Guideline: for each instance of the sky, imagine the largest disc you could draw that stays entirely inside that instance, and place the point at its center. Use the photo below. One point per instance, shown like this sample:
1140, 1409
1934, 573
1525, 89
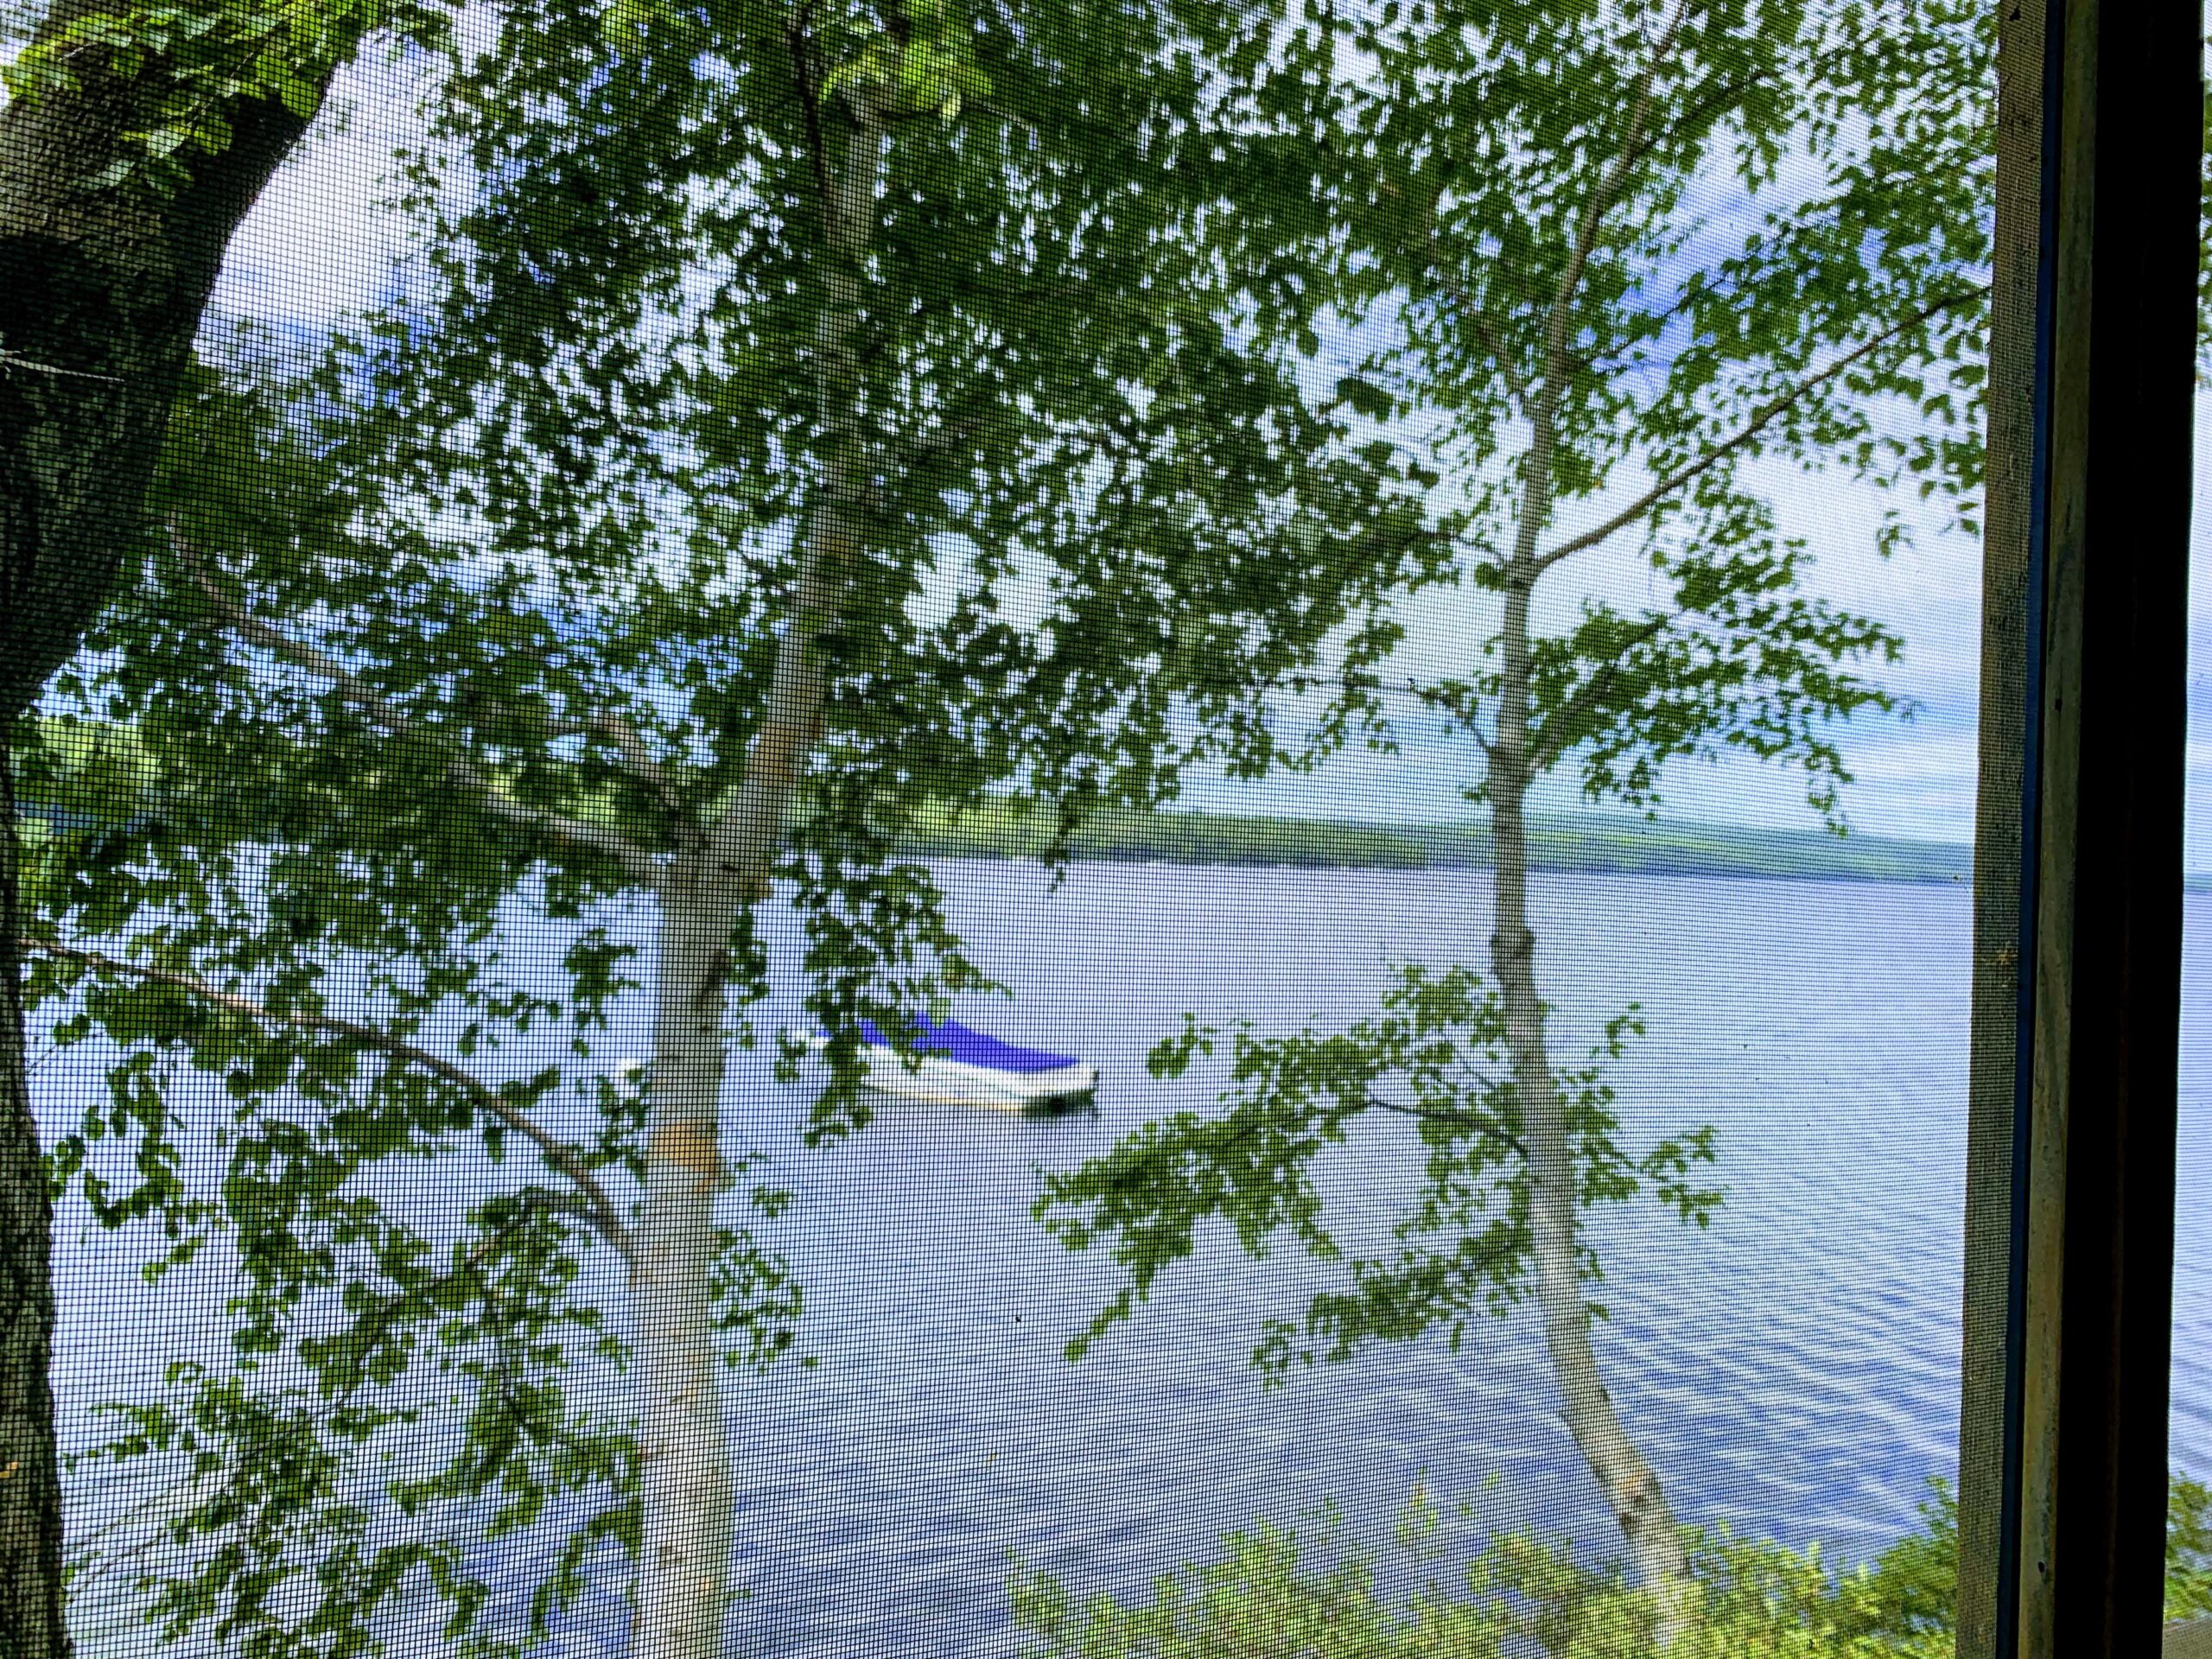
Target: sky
318, 248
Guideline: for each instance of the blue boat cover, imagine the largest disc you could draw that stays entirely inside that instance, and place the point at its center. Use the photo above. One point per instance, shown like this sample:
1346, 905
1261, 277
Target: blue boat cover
956, 1042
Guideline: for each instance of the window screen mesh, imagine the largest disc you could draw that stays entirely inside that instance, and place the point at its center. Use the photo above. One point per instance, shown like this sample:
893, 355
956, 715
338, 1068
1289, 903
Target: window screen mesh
957, 829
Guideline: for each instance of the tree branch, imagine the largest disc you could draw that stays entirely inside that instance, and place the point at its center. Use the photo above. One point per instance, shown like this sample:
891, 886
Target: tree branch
1603, 198
1762, 417
1448, 695
954, 425
459, 767
1550, 740
599, 1208
1461, 1120
799, 41
1521, 570
643, 764
1768, 248
1441, 272
10, 360
747, 836
471, 1265
1517, 386
1727, 94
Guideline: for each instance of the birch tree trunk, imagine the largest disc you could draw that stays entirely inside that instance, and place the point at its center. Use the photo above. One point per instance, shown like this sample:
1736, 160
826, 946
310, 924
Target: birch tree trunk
101, 294
683, 1593
1631, 1486
684, 1577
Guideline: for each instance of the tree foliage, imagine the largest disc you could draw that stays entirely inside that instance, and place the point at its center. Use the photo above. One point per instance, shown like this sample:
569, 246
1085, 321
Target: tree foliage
486, 626
1435, 1054
1266, 1594
1617, 262
810, 418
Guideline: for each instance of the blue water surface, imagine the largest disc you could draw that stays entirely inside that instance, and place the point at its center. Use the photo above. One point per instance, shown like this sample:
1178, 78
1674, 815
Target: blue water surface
1792, 1372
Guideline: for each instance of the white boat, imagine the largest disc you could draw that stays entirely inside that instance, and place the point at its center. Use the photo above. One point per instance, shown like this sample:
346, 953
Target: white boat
952, 1065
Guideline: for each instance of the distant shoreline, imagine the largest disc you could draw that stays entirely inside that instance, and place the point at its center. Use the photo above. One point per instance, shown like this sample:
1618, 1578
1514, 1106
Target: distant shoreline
1615, 845
1595, 846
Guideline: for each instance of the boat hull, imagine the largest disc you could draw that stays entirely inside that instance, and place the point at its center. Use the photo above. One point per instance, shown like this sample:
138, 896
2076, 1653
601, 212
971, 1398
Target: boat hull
943, 1081
951, 1082
959, 1067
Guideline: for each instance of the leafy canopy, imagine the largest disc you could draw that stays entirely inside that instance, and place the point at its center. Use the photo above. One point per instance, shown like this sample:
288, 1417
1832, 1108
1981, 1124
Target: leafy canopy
1435, 1054
471, 632
1622, 259
1611, 263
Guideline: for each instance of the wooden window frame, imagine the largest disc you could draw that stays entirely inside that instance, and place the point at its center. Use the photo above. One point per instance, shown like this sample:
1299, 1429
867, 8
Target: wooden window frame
2070, 1266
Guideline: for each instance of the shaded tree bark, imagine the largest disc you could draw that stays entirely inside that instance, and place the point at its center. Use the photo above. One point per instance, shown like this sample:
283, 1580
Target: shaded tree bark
31, 1622
101, 294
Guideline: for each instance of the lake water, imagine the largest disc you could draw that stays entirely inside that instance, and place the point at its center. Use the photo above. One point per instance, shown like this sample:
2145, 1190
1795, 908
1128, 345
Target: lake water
1793, 1372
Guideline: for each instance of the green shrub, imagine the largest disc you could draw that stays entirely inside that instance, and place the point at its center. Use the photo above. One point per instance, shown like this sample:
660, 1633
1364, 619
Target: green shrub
1266, 1597
2189, 1550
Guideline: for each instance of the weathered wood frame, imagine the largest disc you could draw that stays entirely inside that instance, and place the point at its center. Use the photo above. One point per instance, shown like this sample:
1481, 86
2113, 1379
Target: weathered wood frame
2071, 1200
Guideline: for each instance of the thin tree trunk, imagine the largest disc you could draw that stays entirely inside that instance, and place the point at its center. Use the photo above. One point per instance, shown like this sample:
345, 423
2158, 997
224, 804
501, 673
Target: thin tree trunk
683, 1593
101, 294
684, 1596
31, 1621
1631, 1488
